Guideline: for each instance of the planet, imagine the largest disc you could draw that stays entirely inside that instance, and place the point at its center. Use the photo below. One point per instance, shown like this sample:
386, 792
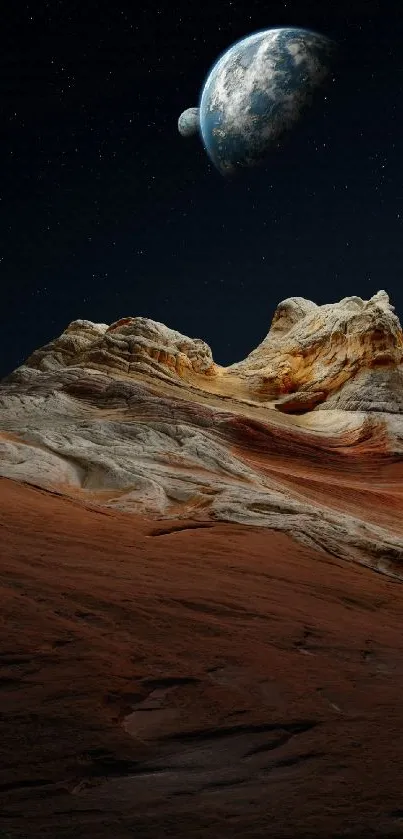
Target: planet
188, 122
257, 91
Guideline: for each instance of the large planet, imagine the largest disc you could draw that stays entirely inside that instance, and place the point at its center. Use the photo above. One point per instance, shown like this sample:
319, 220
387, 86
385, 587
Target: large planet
188, 122
257, 91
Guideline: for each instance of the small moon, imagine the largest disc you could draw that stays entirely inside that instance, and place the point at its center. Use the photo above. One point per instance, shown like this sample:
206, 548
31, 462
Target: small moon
189, 123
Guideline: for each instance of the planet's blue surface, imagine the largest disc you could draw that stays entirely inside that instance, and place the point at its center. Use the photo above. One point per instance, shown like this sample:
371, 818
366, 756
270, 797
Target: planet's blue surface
188, 122
256, 92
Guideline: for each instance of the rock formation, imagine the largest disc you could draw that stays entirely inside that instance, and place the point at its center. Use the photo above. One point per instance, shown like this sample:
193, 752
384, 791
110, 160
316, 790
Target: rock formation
195, 642
304, 435
346, 355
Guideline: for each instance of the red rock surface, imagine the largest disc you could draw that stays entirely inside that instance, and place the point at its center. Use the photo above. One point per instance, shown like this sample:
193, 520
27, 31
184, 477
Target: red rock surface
195, 638
304, 436
182, 678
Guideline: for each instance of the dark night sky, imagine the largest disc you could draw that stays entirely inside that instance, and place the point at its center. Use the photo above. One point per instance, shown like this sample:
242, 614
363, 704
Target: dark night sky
107, 212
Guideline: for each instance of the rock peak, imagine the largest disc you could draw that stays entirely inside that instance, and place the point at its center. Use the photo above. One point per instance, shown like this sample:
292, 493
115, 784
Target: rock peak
304, 435
346, 354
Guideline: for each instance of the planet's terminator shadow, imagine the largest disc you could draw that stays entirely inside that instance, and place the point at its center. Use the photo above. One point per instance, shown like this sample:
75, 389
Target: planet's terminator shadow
292, 148
260, 94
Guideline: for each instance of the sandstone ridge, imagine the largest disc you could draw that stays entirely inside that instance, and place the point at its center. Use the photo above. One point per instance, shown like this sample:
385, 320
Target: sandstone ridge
346, 355
304, 436
201, 572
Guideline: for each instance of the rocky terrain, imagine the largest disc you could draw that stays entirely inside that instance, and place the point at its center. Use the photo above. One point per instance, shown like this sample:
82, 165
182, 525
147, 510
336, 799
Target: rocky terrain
201, 581
305, 435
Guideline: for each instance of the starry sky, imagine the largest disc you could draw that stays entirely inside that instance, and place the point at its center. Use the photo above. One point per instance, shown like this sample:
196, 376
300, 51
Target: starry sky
107, 212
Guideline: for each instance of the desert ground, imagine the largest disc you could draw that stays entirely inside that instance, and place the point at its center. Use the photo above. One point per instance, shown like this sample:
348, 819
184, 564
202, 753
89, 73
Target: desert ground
181, 678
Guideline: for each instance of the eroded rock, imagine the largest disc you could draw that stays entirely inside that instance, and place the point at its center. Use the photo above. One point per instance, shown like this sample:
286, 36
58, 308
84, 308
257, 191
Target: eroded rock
138, 417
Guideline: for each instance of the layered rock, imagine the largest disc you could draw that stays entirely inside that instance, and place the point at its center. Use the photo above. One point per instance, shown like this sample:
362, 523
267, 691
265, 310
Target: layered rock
139, 417
128, 346
317, 350
191, 679
347, 354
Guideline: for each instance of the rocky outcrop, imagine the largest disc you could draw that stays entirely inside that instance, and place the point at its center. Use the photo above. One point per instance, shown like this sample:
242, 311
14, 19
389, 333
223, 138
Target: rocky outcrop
319, 349
347, 354
138, 417
186, 624
128, 346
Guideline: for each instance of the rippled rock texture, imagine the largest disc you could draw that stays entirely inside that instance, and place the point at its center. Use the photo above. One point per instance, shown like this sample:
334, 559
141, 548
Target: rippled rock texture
191, 679
195, 641
303, 436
